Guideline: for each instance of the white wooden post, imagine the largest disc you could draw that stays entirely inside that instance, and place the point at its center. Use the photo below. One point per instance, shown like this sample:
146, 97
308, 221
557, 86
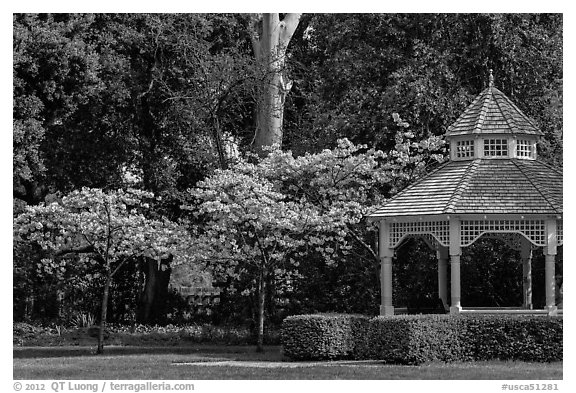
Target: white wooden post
478, 147
385, 253
526, 257
455, 252
550, 272
442, 255
512, 143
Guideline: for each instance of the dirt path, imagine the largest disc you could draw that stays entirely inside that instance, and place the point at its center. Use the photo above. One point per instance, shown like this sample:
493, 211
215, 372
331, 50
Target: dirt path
256, 364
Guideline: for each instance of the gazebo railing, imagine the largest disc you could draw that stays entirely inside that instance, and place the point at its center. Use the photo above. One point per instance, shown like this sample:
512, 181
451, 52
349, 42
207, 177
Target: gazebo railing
507, 311
488, 311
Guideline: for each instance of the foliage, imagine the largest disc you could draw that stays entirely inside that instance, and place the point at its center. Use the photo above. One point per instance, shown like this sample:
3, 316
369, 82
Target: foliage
356, 69
324, 336
25, 334
63, 84
417, 339
531, 339
106, 225
142, 97
83, 320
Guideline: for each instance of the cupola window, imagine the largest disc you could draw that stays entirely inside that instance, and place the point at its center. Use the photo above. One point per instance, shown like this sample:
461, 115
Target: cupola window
495, 147
524, 148
465, 149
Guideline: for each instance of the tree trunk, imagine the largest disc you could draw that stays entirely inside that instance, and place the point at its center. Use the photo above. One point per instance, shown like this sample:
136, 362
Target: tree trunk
100, 349
219, 144
261, 305
152, 300
161, 293
147, 296
270, 51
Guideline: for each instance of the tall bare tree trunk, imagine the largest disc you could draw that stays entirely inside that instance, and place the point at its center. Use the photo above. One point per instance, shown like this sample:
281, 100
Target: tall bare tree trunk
270, 50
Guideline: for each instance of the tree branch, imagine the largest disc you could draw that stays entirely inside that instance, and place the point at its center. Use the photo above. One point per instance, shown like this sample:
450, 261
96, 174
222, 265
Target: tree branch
288, 25
118, 267
76, 250
255, 36
362, 243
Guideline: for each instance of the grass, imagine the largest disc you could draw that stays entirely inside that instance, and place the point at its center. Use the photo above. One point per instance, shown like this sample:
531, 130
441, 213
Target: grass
167, 363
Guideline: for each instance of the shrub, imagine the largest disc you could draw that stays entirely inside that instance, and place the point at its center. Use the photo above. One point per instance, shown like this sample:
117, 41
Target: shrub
324, 336
412, 339
416, 339
527, 338
81, 320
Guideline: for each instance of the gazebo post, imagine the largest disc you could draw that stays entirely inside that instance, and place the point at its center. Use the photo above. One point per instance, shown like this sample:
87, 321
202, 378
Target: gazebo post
455, 252
442, 255
550, 272
526, 257
385, 254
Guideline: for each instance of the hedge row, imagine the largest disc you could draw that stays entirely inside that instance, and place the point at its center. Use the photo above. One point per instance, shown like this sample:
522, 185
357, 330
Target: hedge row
416, 339
326, 336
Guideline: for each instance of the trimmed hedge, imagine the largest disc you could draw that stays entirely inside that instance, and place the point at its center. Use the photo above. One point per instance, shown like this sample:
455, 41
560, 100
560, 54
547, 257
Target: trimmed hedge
527, 338
416, 339
324, 336
412, 339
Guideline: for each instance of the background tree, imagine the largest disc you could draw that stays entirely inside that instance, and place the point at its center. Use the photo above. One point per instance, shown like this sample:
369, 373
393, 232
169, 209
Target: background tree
353, 70
270, 40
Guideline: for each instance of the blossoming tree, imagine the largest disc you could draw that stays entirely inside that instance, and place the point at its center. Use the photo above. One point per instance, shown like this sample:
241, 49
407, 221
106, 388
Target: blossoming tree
263, 219
247, 225
111, 228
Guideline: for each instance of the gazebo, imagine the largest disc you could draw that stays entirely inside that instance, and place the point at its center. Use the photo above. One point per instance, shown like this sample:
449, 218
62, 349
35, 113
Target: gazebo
492, 186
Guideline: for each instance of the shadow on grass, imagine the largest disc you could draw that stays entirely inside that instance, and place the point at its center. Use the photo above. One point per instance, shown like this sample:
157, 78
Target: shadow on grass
247, 353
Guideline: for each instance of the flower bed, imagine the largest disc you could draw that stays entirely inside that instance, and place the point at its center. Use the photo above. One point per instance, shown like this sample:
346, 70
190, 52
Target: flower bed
25, 334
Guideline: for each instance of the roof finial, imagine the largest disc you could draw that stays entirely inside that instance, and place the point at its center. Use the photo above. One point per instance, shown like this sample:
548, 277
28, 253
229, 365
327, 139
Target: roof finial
491, 79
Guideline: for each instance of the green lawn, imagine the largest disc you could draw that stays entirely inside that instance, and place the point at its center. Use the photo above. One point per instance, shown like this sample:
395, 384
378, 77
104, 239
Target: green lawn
239, 362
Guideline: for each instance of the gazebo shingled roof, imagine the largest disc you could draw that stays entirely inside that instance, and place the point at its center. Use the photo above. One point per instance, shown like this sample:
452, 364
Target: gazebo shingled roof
493, 112
481, 186
493, 185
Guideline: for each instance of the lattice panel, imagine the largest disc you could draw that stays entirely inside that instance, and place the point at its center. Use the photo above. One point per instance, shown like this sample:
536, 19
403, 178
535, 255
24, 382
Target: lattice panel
440, 230
559, 233
534, 230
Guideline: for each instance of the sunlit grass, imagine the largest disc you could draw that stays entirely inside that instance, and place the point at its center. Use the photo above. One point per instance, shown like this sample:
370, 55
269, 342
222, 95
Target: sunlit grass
171, 363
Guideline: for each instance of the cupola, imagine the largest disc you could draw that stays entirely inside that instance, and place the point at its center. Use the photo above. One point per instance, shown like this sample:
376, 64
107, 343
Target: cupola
492, 127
